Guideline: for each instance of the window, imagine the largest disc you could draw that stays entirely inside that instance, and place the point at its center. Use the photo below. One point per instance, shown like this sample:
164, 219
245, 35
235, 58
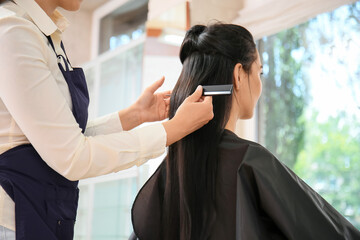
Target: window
114, 81
123, 25
309, 112
105, 202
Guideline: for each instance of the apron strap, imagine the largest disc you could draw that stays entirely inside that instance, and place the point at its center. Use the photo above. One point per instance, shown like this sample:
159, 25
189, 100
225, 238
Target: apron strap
65, 58
51, 42
63, 48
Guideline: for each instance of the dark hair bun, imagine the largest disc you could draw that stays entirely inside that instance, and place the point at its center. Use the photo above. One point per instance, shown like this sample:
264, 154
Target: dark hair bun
190, 43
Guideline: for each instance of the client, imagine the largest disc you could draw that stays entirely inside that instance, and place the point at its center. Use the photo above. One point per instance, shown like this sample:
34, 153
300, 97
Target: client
214, 185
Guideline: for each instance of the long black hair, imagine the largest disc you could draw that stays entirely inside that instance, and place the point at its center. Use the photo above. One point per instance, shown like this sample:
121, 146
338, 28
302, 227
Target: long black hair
209, 55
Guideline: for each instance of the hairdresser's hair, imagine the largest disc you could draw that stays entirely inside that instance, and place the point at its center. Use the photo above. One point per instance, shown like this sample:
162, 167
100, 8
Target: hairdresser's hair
2, 1
209, 55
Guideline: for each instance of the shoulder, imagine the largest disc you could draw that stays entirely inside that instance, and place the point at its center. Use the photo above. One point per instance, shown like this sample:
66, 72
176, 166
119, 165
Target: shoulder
263, 164
231, 141
246, 156
17, 28
10, 12
20, 38
6, 13
253, 154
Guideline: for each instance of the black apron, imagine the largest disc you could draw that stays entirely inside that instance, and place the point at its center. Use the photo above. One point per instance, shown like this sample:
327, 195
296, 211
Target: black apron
257, 198
45, 201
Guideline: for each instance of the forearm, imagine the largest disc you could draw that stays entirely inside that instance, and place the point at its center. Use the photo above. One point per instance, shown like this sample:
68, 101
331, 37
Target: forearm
174, 131
103, 154
130, 118
190, 116
104, 125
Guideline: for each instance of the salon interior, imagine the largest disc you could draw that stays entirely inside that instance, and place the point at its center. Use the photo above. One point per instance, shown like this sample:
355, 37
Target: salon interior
308, 113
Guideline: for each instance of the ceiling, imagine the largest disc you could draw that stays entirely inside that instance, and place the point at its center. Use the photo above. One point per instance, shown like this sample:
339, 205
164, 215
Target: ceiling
206, 11
201, 10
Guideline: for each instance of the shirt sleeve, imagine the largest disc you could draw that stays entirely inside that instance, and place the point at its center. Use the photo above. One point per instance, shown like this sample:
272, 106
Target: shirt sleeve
31, 95
104, 125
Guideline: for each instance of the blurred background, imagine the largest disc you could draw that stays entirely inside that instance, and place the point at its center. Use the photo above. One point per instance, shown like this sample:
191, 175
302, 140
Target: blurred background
308, 114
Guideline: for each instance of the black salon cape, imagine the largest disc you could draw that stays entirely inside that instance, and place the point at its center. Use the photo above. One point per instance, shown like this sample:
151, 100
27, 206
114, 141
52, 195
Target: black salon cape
258, 197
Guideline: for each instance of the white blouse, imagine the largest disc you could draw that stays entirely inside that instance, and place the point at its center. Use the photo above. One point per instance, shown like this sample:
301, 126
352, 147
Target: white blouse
35, 107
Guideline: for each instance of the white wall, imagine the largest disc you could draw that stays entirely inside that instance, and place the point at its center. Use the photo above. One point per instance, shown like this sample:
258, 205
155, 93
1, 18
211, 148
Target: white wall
77, 37
266, 17
156, 66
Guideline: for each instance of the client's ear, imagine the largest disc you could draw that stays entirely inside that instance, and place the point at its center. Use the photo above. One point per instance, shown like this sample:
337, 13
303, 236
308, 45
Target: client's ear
238, 75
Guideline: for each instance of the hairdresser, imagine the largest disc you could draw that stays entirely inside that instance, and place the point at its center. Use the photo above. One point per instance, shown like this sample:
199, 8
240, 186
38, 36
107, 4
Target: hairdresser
46, 141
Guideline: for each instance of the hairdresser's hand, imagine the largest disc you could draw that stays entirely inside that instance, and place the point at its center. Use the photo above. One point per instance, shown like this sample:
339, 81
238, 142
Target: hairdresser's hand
153, 106
149, 107
193, 113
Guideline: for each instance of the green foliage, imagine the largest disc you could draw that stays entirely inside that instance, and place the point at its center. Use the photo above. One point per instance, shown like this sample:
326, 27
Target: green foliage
325, 152
284, 94
330, 162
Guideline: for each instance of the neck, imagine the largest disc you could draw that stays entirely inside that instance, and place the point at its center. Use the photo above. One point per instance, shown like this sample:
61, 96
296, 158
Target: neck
48, 6
231, 124
234, 115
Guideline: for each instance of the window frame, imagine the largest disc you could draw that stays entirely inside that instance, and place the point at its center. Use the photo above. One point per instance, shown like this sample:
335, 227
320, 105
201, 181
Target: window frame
97, 15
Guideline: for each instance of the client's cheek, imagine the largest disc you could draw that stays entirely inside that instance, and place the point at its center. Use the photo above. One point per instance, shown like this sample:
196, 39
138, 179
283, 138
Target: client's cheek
258, 89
